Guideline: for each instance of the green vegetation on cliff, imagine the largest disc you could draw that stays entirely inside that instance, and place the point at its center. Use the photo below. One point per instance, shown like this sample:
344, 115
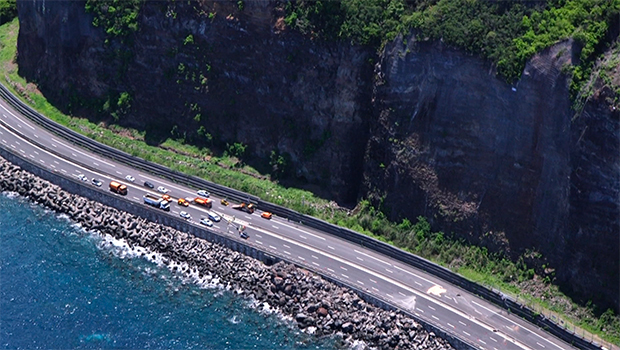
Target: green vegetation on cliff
507, 33
8, 10
116, 17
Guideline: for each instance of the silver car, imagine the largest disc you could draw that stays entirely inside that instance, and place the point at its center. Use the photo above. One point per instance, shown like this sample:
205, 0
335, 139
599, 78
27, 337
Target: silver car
162, 189
206, 222
185, 215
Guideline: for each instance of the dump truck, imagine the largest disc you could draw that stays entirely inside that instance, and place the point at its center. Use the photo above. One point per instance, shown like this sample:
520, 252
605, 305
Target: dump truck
118, 188
156, 201
248, 208
205, 202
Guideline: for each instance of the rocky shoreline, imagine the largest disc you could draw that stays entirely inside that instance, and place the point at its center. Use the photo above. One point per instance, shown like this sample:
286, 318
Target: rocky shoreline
317, 306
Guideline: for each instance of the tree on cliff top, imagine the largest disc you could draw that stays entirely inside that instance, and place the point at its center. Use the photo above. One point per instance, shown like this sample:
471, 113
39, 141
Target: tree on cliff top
8, 10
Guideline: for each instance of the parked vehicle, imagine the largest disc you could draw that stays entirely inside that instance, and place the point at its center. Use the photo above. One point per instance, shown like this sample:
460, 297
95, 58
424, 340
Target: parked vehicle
248, 208
118, 188
130, 178
206, 222
148, 184
213, 216
185, 215
183, 202
203, 193
162, 189
156, 201
205, 202
96, 182
267, 215
82, 177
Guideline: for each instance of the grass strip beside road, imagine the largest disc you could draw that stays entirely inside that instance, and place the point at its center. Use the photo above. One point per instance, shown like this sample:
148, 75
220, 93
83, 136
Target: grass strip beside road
473, 262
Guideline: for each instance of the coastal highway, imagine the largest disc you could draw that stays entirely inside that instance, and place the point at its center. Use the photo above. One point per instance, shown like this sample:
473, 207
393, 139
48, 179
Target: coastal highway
476, 321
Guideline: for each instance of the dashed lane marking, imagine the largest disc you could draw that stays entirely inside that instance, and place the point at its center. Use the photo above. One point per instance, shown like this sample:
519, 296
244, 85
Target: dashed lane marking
418, 283
313, 263
305, 232
432, 308
272, 247
53, 145
360, 282
344, 268
403, 294
345, 276
375, 289
136, 198
358, 258
35, 135
449, 324
63, 170
118, 172
469, 335
257, 235
461, 322
302, 237
330, 270
276, 227
302, 259
435, 317
493, 339
422, 311
42, 161
287, 253
330, 247
413, 274
259, 242
373, 281
286, 246
389, 296
16, 117
315, 257
539, 344
482, 341
388, 270
372, 257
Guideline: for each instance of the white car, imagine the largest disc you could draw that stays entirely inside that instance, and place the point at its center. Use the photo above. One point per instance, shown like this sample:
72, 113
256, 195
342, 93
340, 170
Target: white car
206, 222
214, 217
185, 215
82, 177
97, 182
130, 178
162, 189
203, 193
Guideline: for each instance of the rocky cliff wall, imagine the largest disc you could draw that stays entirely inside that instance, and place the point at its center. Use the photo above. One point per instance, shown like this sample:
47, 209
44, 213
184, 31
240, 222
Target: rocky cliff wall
237, 74
507, 167
435, 134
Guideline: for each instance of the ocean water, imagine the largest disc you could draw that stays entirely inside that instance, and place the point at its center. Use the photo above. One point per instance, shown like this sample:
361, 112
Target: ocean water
64, 288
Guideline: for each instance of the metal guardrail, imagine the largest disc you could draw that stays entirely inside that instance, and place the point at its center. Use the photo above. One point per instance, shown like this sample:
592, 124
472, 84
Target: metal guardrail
495, 297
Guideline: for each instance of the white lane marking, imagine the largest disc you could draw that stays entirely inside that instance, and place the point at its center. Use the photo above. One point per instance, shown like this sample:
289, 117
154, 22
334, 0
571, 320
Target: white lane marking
1, 133
56, 162
35, 152
451, 325
389, 280
330, 270
418, 283
358, 258
259, 242
247, 217
372, 257
4, 141
257, 235
52, 165
539, 344
360, 282
19, 126
63, 170
303, 259
302, 237
272, 247
344, 268
461, 322
388, 270
136, 198
330, 247
217, 227
483, 342
345, 276
403, 294
78, 151
435, 317
422, 311
413, 274
373, 281
21, 150
432, 308
53, 145
375, 289
478, 311
306, 232
547, 340
13, 146
287, 253
313, 263
42, 161
469, 335
17, 142
493, 339
389, 296
118, 172
276, 227
16, 117
95, 164
31, 156
286, 246
315, 257
35, 135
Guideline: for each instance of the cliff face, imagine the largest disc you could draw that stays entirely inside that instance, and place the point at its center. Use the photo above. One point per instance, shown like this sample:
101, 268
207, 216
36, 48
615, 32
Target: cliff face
510, 168
431, 132
237, 74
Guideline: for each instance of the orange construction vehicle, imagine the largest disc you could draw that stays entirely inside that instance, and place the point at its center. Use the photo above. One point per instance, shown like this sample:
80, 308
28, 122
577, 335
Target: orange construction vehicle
248, 208
206, 202
118, 188
183, 202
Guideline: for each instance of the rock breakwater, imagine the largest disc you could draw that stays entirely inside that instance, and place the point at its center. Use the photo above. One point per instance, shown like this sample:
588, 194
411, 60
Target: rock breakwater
316, 305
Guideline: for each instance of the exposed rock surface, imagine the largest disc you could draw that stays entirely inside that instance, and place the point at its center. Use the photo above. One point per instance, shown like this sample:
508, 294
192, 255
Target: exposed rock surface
435, 134
317, 306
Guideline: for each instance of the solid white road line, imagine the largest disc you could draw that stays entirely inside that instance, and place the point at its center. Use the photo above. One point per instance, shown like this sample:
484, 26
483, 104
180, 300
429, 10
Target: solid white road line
16, 117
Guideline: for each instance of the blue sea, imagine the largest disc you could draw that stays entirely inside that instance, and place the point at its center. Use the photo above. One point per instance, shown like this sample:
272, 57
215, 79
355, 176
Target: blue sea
64, 288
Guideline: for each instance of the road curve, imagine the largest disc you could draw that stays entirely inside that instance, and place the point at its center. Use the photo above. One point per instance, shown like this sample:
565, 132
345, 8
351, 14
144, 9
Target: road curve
456, 311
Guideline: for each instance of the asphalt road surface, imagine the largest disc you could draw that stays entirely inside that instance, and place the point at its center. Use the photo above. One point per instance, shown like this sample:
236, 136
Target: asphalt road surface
455, 310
